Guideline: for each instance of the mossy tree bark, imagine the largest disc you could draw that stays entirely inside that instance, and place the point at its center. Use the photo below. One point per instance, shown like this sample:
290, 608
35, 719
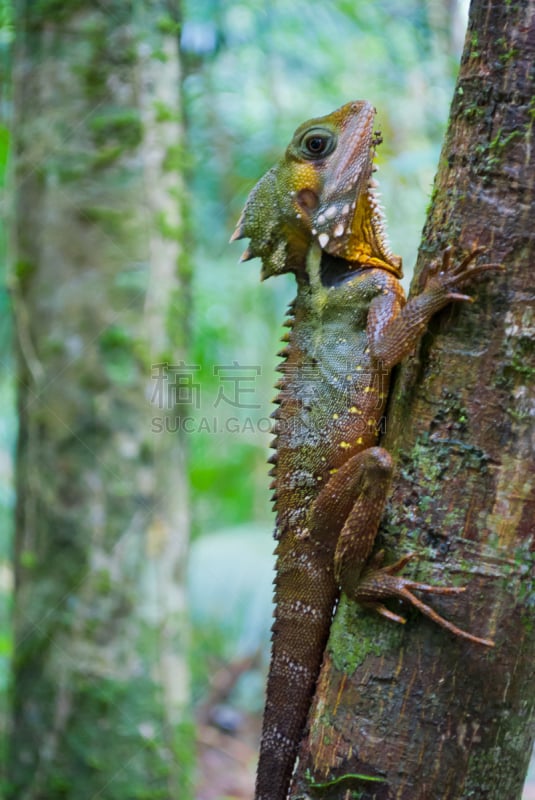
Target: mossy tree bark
428, 715
100, 682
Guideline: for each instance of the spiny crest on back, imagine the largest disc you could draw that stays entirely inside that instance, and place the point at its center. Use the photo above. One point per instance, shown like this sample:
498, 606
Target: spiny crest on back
279, 401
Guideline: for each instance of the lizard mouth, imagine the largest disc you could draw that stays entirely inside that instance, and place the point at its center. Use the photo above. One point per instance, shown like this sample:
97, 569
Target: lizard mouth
350, 223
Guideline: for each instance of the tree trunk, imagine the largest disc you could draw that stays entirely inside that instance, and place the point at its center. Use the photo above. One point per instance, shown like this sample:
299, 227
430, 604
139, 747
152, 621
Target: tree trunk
100, 682
427, 715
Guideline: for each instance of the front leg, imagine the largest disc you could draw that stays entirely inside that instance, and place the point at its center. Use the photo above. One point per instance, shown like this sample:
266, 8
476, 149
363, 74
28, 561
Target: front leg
393, 329
352, 502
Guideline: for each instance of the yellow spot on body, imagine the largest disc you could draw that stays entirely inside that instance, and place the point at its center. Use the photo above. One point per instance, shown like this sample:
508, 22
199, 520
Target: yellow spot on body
344, 445
333, 471
359, 440
355, 410
335, 416
369, 389
319, 478
349, 378
359, 368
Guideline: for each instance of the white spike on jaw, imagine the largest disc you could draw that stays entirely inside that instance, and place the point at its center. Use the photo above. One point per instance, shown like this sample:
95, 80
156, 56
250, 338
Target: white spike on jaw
379, 219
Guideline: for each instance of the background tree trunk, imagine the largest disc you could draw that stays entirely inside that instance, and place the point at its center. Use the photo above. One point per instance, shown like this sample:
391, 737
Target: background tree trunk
430, 715
100, 681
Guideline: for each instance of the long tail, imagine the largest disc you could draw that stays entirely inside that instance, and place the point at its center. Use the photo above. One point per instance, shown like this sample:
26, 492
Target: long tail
305, 593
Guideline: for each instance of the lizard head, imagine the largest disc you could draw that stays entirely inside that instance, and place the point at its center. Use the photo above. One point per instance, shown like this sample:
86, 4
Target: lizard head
323, 190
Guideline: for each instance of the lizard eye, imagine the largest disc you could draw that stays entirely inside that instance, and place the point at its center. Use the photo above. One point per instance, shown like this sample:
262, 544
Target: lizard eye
317, 143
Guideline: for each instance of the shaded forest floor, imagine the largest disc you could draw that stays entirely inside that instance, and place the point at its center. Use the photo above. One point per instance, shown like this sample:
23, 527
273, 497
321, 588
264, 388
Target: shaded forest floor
226, 761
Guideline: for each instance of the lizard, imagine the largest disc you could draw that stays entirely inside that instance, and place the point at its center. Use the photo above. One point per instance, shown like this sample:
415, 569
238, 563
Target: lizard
316, 214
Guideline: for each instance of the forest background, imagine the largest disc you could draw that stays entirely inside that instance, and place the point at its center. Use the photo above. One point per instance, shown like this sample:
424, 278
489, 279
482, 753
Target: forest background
248, 74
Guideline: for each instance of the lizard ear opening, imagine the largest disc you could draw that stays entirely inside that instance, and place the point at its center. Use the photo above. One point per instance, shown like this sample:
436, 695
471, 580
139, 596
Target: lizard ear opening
308, 200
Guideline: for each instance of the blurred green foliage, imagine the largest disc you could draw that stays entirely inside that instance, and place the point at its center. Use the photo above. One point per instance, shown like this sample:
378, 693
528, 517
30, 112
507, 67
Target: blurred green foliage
235, 565
7, 387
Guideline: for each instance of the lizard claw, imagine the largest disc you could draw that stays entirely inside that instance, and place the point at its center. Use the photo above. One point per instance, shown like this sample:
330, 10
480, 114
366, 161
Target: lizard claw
378, 583
385, 612
393, 569
462, 266
450, 276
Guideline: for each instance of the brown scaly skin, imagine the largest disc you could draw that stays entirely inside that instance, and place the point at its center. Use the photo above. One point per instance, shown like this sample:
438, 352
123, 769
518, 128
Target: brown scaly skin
315, 214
